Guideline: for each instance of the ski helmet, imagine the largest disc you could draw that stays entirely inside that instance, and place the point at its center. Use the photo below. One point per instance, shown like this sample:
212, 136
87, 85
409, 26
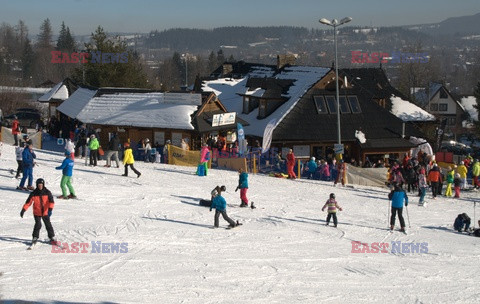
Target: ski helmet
40, 181
223, 188
332, 195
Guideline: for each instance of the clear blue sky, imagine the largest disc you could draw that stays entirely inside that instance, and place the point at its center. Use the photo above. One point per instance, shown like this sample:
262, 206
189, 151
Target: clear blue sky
83, 16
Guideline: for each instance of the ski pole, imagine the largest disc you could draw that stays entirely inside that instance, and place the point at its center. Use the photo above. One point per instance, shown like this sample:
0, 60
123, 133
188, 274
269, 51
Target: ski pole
408, 217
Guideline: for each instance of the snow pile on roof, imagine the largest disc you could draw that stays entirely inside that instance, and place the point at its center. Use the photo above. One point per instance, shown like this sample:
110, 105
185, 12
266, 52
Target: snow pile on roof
360, 136
59, 91
148, 110
468, 103
407, 111
228, 91
24, 90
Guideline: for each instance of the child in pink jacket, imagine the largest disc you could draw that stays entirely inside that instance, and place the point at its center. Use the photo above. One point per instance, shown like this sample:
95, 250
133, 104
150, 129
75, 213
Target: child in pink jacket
332, 209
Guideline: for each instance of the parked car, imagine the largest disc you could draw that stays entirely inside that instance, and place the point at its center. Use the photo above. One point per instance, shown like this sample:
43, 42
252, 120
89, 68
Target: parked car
25, 119
30, 110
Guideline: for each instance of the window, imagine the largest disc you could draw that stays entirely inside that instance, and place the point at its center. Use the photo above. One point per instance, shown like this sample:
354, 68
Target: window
354, 105
343, 105
442, 107
443, 94
320, 103
434, 107
332, 104
451, 121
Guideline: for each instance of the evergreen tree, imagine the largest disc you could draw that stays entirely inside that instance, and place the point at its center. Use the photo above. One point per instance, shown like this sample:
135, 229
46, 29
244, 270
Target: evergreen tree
112, 73
28, 60
212, 62
65, 40
45, 36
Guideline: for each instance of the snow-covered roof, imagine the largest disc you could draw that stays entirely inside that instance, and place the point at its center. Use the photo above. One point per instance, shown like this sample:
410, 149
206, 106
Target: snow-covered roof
407, 111
24, 90
468, 102
59, 91
228, 91
148, 110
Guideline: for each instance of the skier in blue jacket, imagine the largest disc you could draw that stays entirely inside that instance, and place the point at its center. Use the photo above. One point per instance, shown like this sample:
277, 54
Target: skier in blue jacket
220, 205
28, 163
67, 170
398, 196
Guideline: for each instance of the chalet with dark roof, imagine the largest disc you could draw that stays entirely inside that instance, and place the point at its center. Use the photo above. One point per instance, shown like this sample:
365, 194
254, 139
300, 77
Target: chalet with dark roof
306, 116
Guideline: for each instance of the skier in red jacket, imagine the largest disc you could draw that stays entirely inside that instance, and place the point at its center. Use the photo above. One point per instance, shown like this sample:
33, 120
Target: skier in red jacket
43, 203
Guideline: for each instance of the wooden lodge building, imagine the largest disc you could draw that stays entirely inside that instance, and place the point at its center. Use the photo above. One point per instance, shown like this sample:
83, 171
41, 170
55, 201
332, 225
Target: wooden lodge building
302, 102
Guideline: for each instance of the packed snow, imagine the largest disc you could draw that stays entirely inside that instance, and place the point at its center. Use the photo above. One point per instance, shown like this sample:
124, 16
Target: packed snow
283, 252
407, 111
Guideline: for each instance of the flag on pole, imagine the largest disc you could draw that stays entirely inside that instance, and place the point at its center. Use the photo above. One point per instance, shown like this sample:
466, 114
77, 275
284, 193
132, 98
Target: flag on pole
267, 135
241, 140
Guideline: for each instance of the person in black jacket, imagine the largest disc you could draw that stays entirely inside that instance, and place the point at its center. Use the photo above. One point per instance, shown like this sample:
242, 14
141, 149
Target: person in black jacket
113, 147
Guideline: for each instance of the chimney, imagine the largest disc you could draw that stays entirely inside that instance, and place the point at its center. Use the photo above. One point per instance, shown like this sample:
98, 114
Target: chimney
283, 60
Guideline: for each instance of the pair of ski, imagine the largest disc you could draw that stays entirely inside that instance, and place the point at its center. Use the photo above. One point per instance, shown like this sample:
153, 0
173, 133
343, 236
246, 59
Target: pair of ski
53, 243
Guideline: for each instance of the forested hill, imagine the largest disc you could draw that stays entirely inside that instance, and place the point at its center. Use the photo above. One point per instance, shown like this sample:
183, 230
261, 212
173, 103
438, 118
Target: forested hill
200, 39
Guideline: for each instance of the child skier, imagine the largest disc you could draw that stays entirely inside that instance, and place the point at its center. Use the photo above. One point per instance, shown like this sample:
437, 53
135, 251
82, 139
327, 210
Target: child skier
332, 209
450, 177
398, 196
67, 170
457, 182
243, 186
128, 160
43, 203
220, 205
422, 186
18, 155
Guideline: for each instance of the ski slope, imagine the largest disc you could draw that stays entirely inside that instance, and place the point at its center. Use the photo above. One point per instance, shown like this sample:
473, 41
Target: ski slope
283, 253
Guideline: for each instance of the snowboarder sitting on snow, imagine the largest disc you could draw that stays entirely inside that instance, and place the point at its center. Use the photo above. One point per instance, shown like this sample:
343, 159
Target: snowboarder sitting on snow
220, 205
214, 193
462, 222
43, 203
332, 209
398, 196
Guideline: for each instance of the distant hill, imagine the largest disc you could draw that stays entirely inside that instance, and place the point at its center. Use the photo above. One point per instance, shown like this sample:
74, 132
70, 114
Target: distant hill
465, 25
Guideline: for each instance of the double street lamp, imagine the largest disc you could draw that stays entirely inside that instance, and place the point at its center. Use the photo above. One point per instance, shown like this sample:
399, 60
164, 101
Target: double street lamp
336, 23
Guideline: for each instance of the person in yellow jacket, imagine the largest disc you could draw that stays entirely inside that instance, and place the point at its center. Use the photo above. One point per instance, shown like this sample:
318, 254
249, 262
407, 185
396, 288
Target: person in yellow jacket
128, 160
476, 173
462, 170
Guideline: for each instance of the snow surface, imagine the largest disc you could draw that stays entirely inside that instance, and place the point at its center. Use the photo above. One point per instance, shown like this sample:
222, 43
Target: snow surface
283, 253
407, 111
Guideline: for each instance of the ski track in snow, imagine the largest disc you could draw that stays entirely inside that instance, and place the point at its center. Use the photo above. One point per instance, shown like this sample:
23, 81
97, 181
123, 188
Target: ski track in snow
283, 252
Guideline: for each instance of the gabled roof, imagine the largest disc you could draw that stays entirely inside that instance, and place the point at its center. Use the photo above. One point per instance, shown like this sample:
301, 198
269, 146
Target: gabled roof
424, 95
60, 92
132, 107
229, 92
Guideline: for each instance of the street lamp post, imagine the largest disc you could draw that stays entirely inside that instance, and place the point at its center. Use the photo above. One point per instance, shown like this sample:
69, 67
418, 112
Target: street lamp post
335, 23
